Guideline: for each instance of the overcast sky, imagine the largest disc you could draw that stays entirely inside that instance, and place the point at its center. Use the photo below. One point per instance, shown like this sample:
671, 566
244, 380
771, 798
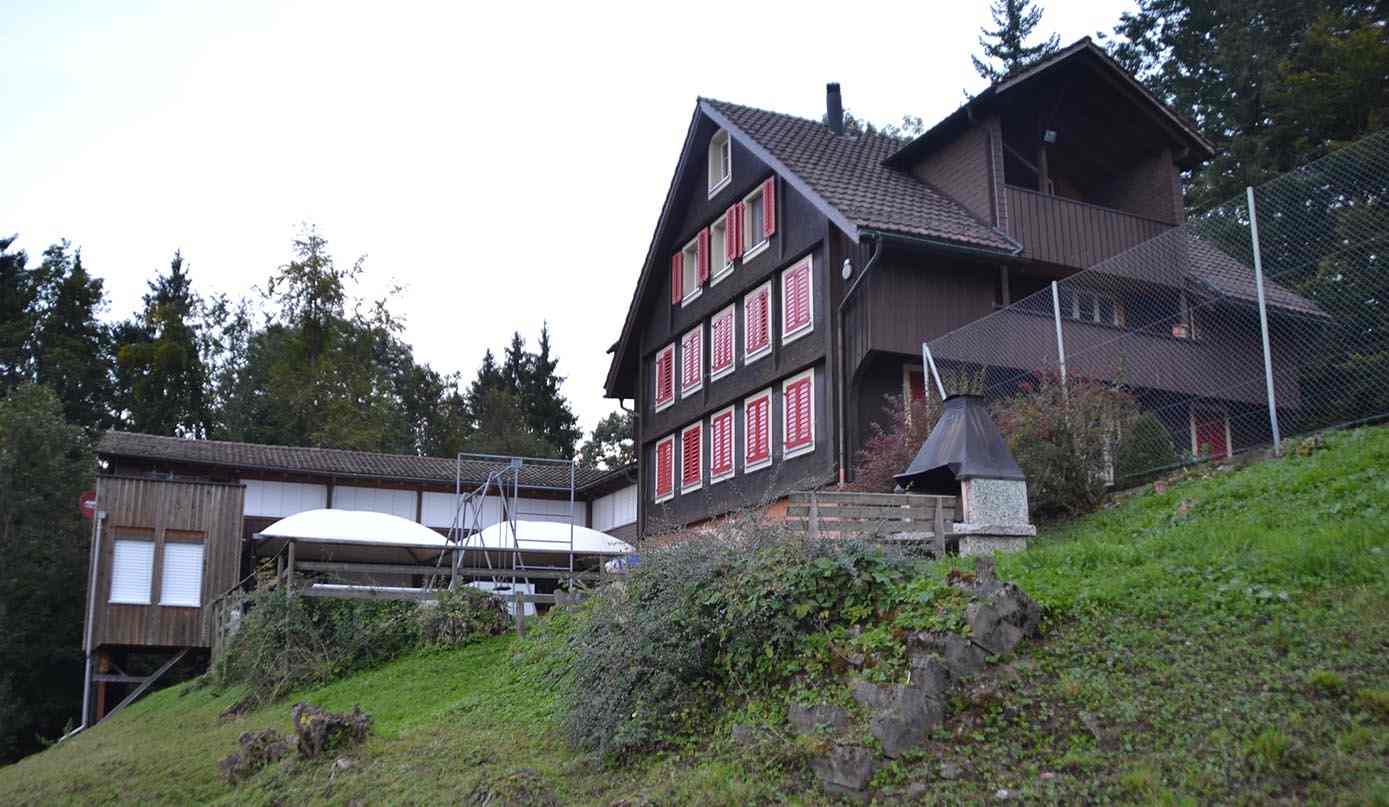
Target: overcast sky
505, 162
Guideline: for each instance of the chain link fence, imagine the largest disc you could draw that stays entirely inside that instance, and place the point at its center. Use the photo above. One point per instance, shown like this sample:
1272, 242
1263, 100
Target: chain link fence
1261, 318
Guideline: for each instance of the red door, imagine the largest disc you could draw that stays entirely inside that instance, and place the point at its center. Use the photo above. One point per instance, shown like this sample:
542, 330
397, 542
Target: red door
1210, 434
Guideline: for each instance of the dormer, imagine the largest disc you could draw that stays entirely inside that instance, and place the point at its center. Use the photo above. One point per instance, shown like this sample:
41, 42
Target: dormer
1071, 157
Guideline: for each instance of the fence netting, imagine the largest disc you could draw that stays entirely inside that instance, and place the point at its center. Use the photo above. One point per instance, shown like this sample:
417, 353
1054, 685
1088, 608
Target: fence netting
1171, 331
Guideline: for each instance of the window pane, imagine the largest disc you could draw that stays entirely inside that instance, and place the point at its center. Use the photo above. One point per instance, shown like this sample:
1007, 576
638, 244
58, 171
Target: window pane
755, 221
182, 580
132, 571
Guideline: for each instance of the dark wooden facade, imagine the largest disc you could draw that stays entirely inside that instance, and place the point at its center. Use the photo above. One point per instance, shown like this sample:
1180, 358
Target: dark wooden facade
164, 512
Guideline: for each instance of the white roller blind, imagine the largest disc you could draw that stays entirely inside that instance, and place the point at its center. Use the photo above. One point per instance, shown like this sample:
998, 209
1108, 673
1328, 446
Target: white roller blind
182, 581
132, 571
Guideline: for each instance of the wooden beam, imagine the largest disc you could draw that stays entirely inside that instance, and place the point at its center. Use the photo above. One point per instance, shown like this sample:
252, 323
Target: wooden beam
115, 678
902, 513
148, 682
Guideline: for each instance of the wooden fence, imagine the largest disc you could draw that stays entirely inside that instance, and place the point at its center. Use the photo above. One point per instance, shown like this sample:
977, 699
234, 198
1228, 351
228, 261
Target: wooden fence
892, 516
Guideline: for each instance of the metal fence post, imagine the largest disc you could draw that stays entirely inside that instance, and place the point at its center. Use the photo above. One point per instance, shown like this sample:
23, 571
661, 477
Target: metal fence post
1263, 323
931, 367
1060, 344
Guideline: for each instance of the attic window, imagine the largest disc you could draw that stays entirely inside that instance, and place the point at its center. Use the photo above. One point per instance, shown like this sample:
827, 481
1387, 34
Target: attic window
720, 162
689, 266
759, 218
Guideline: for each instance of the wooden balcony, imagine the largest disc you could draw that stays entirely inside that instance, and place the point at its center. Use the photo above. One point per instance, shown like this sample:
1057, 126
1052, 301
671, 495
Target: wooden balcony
1063, 231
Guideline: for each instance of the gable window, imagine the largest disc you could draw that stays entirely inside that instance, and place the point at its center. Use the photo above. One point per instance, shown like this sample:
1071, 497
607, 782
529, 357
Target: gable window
689, 272
665, 469
721, 446
757, 431
721, 253
721, 344
692, 361
181, 582
720, 162
798, 415
757, 323
691, 457
132, 571
663, 378
797, 318
758, 218
1094, 306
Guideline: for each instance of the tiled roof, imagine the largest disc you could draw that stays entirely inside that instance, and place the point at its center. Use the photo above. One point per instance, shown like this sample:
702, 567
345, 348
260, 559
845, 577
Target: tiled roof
848, 173
330, 461
1225, 275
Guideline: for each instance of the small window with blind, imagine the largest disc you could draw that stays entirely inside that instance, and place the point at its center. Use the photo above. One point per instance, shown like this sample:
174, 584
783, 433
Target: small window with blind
691, 458
692, 361
1094, 306
757, 431
798, 415
181, 580
665, 469
797, 316
757, 323
132, 571
721, 343
758, 218
663, 378
719, 252
720, 162
721, 446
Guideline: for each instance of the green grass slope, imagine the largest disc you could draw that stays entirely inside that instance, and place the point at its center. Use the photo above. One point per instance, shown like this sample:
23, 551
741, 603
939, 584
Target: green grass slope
1225, 641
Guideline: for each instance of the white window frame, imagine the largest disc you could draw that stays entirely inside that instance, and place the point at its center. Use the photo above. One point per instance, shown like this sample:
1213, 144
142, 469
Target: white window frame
1119, 313
1211, 409
791, 336
731, 412
700, 482
717, 144
689, 269
146, 545
658, 406
751, 251
747, 422
785, 421
698, 385
719, 256
164, 600
732, 313
749, 358
656, 475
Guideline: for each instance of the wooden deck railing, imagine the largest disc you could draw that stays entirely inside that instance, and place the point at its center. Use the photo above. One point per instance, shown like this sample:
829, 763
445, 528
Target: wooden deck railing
1071, 233
894, 516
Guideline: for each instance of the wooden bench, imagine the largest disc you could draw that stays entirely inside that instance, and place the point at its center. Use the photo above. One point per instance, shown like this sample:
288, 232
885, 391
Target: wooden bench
882, 516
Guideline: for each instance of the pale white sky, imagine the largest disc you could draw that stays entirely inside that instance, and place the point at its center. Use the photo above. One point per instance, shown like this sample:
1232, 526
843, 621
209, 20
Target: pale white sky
506, 162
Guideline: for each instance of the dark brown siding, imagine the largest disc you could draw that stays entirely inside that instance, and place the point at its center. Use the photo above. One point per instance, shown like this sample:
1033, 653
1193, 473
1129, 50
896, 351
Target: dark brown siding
1144, 190
1070, 233
961, 170
160, 509
918, 298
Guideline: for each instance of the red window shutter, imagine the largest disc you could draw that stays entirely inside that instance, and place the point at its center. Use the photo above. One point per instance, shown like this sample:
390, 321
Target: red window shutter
797, 413
730, 234
769, 206
677, 273
761, 333
665, 471
721, 444
759, 434
665, 372
723, 342
738, 220
702, 247
690, 459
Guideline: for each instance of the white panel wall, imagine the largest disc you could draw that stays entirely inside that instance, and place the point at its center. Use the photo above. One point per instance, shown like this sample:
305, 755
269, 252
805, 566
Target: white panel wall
376, 500
439, 509
279, 499
615, 509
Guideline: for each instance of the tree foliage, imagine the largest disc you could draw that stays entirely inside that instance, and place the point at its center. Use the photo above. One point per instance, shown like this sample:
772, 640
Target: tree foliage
1004, 47
71, 346
45, 463
611, 444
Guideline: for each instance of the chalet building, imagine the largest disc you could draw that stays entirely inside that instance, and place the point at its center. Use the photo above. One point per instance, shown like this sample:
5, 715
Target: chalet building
797, 268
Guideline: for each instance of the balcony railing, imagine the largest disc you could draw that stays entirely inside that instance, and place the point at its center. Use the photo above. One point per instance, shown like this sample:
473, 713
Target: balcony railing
1071, 233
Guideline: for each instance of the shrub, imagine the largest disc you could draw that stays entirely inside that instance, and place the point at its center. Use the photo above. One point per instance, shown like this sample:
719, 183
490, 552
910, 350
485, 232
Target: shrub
1146, 447
1326, 682
888, 451
1063, 436
1376, 702
461, 616
740, 612
284, 643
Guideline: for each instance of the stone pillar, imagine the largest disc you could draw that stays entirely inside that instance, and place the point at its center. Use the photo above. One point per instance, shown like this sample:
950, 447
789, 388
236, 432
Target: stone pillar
994, 516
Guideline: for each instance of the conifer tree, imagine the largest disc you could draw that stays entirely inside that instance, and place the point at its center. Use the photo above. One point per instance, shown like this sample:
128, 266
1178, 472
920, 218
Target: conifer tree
19, 292
71, 347
1005, 47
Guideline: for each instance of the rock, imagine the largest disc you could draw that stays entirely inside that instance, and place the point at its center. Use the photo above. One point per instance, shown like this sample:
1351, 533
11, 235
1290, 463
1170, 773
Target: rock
319, 731
808, 719
256, 750
1002, 620
931, 675
845, 770
907, 721
1003, 794
961, 656
869, 695
855, 660
950, 771
342, 763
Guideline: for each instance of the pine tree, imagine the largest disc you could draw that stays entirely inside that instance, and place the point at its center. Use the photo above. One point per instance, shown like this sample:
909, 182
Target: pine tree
19, 291
548, 412
71, 352
159, 365
1005, 47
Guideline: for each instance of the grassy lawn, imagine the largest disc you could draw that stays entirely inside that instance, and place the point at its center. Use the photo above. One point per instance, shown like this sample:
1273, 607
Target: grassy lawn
1226, 641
